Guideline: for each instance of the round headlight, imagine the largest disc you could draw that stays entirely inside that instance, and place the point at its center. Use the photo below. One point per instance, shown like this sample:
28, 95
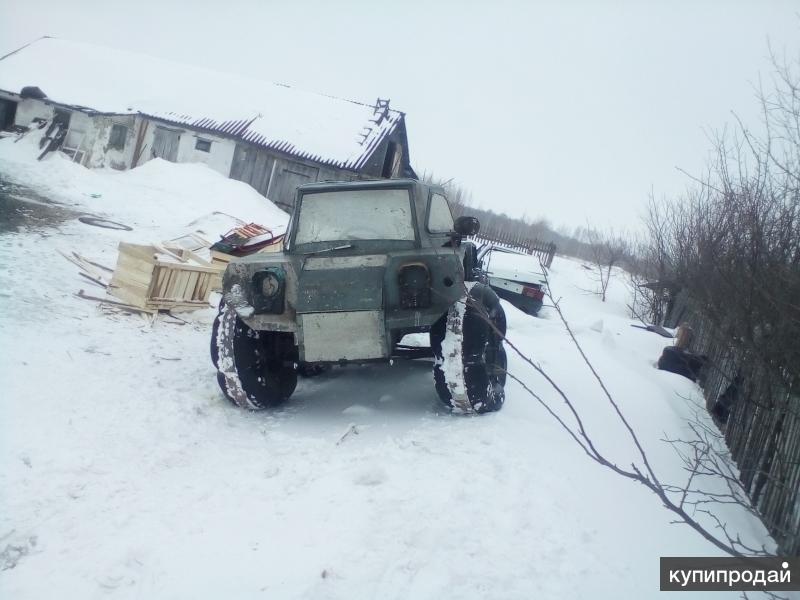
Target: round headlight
270, 285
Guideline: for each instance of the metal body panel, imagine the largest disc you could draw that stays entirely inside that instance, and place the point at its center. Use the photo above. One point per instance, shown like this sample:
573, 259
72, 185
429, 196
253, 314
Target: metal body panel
241, 271
332, 337
510, 286
527, 277
315, 263
340, 290
522, 302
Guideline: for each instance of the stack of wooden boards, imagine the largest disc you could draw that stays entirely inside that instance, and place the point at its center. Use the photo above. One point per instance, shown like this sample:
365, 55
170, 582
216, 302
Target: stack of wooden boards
175, 274
154, 277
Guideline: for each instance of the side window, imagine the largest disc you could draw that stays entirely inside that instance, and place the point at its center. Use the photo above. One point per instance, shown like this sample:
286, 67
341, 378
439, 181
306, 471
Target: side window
119, 134
440, 219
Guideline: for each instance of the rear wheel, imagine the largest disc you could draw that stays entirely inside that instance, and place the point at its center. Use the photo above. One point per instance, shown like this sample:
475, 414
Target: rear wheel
470, 367
255, 369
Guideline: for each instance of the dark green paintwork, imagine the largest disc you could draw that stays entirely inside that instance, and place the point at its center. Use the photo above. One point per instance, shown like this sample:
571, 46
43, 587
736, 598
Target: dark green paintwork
340, 290
363, 288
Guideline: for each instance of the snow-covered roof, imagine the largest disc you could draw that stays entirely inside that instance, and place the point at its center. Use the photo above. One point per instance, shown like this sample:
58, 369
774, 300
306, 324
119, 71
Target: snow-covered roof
326, 129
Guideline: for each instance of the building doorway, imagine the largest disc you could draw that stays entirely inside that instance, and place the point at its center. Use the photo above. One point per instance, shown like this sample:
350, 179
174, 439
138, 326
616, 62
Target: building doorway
165, 144
8, 112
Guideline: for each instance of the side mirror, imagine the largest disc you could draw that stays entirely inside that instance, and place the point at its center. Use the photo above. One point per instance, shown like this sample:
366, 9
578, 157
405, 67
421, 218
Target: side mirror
467, 226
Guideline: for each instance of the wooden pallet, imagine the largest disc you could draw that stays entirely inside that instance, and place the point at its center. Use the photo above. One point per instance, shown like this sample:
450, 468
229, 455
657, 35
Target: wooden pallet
153, 277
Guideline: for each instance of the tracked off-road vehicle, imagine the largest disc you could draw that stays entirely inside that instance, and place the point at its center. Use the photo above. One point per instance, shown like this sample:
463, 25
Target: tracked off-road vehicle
364, 264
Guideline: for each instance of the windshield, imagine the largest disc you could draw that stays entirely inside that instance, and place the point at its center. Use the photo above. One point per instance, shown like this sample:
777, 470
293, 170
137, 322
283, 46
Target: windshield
368, 214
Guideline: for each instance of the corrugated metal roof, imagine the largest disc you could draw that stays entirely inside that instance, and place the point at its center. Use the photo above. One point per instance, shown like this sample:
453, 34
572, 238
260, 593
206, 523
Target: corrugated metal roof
325, 129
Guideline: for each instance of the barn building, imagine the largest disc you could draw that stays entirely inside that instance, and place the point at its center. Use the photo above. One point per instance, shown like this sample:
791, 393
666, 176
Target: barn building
121, 109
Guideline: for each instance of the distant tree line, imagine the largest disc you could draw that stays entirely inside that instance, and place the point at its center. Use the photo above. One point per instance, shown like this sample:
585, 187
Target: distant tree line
579, 242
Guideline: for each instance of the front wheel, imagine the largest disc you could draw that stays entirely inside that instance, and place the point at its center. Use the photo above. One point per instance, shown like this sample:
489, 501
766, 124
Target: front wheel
470, 367
255, 369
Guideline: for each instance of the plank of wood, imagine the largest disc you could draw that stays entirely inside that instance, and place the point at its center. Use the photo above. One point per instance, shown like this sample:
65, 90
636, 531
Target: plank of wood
191, 289
188, 267
655, 329
131, 296
190, 241
134, 265
85, 296
159, 277
201, 238
176, 305
176, 290
197, 258
166, 291
177, 279
187, 308
137, 250
204, 287
222, 257
86, 268
186, 276
191, 282
121, 280
132, 277
94, 264
174, 255
93, 280
660, 331
136, 261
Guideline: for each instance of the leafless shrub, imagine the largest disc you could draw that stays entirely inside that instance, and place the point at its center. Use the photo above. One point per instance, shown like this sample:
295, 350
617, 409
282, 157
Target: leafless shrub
733, 244
607, 250
731, 247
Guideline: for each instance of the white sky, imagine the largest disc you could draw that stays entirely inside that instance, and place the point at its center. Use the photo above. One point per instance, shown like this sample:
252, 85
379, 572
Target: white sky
567, 110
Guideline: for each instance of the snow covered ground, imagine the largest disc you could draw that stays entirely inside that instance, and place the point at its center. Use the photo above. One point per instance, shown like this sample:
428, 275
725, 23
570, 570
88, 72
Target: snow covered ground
125, 474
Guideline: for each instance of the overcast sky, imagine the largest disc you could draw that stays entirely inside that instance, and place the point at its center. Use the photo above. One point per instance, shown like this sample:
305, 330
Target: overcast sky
567, 110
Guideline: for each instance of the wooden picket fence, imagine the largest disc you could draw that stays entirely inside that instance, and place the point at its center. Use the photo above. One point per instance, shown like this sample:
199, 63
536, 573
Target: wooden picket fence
763, 428
545, 251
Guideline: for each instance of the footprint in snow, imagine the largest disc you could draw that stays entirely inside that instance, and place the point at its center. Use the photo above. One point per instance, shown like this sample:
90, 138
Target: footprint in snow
371, 476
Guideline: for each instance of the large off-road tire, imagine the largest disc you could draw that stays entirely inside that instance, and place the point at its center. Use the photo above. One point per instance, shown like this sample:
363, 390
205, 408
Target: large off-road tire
470, 366
214, 329
255, 369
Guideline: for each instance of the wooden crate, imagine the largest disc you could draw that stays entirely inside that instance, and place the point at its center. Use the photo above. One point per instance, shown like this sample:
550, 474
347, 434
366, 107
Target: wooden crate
219, 261
154, 278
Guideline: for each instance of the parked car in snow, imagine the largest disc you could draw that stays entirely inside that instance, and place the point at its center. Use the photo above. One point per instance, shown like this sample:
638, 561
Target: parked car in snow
364, 264
515, 276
